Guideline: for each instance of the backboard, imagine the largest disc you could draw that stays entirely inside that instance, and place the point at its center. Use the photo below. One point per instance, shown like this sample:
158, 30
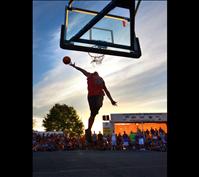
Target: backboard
102, 27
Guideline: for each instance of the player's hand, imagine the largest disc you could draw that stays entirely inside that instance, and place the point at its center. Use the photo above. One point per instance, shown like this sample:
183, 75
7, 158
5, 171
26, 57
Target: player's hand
73, 65
114, 103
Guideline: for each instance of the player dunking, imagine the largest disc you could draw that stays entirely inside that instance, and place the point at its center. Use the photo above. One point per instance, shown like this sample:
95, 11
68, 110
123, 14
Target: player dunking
96, 89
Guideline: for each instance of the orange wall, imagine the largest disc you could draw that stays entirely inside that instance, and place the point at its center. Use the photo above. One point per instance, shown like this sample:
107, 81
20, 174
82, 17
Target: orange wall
128, 127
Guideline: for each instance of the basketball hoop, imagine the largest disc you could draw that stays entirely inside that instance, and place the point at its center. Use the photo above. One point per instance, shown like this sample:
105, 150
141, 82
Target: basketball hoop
95, 57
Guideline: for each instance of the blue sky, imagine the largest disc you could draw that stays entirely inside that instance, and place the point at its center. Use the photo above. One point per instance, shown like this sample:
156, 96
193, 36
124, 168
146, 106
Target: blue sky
138, 85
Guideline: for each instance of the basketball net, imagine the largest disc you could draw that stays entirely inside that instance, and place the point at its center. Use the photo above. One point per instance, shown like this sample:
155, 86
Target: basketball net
95, 57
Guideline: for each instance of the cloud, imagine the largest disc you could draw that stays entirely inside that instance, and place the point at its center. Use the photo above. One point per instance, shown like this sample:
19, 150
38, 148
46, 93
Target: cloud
38, 123
55, 86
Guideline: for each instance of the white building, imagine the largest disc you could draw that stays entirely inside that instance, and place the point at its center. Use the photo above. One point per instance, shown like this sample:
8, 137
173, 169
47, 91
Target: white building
132, 121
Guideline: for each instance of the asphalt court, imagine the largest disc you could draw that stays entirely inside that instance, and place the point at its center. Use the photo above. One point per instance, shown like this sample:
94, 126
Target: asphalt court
88, 163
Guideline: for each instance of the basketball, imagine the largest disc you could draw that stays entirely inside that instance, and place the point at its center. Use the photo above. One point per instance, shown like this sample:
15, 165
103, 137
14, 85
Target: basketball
66, 60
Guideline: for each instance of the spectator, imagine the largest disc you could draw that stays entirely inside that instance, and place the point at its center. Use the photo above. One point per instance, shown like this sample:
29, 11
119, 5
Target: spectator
119, 142
132, 137
100, 140
141, 141
94, 138
113, 141
125, 141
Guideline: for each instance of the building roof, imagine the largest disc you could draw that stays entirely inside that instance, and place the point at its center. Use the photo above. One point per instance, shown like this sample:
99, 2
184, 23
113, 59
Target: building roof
139, 117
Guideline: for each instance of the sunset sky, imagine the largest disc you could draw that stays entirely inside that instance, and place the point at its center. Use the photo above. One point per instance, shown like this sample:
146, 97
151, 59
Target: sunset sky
138, 85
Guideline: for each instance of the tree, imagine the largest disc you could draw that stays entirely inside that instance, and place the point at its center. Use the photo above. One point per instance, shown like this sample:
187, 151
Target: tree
63, 118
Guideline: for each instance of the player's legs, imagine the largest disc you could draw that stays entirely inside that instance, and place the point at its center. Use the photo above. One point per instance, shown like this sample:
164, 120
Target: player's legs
95, 103
88, 131
90, 122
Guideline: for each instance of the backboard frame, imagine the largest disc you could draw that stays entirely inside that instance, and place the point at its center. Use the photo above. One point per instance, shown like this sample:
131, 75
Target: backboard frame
134, 47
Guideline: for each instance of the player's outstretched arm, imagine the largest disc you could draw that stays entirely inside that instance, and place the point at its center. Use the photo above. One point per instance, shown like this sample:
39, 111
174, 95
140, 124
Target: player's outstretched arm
109, 96
80, 69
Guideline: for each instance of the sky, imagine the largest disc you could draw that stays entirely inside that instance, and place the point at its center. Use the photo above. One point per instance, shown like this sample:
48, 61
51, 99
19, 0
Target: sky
138, 85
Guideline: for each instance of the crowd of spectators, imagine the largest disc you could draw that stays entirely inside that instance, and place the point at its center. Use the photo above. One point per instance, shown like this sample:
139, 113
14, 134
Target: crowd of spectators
152, 139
